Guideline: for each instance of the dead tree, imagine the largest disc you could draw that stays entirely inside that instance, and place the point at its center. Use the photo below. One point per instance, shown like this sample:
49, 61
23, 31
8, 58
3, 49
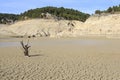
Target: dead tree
26, 48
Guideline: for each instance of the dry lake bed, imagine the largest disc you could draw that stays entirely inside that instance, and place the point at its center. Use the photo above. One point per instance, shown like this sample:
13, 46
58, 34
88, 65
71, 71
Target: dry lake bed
60, 59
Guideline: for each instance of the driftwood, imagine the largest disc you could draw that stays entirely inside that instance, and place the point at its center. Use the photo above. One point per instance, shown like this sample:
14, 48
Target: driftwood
26, 48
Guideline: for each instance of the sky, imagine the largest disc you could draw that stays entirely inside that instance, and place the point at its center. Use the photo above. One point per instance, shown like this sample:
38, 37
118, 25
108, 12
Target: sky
87, 6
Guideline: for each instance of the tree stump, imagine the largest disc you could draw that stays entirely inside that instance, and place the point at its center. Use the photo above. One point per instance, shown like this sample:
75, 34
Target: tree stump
26, 48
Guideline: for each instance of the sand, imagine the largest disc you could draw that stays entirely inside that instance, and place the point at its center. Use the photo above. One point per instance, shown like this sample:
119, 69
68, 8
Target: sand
61, 59
101, 25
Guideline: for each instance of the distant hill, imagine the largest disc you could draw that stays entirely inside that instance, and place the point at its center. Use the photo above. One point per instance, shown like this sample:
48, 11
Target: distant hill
58, 13
68, 14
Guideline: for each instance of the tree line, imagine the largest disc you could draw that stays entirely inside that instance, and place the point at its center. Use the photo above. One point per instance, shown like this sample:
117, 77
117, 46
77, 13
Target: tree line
68, 14
111, 10
64, 13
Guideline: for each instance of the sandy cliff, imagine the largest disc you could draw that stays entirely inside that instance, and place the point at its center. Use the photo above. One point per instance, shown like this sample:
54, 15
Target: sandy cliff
107, 25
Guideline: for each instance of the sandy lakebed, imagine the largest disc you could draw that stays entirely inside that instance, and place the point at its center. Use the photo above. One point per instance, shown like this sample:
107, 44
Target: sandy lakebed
60, 59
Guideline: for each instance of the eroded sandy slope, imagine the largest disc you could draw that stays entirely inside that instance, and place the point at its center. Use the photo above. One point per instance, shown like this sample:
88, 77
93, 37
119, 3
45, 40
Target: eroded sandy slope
103, 25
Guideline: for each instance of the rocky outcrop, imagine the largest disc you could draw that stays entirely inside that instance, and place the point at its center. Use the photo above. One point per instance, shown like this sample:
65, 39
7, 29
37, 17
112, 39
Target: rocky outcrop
7, 21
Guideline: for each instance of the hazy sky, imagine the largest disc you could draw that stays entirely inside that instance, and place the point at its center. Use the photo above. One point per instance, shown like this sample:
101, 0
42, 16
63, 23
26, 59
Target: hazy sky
88, 6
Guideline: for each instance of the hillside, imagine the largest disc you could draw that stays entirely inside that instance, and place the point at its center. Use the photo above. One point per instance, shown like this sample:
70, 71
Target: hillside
65, 13
53, 12
108, 25
39, 27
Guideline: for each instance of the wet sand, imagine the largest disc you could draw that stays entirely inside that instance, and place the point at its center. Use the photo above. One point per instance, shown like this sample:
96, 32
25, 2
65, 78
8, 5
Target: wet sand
61, 59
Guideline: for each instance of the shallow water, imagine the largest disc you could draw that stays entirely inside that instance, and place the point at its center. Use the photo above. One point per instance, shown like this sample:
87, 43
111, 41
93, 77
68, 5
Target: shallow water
8, 44
50, 42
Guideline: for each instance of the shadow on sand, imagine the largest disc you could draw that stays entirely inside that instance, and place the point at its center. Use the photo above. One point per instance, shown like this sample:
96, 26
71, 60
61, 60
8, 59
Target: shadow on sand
35, 55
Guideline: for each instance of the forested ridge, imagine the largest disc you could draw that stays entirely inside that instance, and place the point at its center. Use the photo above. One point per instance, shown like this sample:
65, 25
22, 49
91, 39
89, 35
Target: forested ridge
60, 13
68, 14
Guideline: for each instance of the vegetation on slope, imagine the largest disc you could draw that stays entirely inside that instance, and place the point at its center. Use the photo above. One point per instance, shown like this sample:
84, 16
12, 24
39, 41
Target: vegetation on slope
60, 13
6, 18
68, 14
111, 10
